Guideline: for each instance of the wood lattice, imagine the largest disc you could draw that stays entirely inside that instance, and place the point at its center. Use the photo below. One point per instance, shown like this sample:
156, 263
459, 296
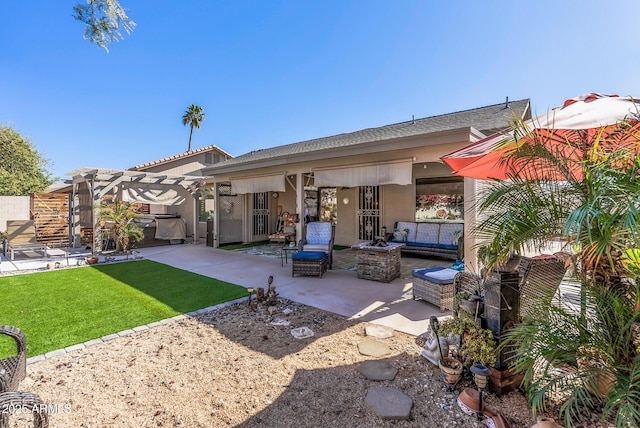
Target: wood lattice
50, 214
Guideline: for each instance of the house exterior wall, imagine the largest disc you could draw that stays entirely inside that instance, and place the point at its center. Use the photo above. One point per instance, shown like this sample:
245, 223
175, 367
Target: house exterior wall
180, 166
398, 202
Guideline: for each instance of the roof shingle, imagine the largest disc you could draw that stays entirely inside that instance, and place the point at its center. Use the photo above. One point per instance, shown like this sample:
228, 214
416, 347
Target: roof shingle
487, 120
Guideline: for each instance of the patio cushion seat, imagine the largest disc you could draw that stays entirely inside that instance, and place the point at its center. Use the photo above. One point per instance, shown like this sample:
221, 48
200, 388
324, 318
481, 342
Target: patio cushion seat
308, 255
437, 275
435, 285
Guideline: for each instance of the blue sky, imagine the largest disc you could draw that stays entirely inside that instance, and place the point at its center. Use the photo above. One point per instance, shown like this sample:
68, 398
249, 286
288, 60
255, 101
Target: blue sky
269, 73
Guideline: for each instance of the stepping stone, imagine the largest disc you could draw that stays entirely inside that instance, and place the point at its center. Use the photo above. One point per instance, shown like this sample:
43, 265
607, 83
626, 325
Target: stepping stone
389, 403
378, 370
373, 348
379, 331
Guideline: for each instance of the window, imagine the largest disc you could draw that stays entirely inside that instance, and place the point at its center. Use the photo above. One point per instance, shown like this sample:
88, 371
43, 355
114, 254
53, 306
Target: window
440, 198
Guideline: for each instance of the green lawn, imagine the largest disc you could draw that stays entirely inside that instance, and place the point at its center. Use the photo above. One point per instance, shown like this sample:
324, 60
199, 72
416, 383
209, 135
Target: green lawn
60, 308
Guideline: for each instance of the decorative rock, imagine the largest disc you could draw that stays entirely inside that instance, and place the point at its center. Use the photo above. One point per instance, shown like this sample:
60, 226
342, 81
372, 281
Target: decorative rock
389, 403
301, 332
279, 321
377, 370
373, 348
379, 331
272, 310
287, 311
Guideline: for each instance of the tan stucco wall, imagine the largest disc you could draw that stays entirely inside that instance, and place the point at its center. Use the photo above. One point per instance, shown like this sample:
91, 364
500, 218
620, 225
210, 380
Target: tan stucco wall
398, 204
347, 226
398, 201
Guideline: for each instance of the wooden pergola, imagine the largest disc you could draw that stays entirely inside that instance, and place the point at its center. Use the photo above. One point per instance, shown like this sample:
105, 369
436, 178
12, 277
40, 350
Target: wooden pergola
101, 182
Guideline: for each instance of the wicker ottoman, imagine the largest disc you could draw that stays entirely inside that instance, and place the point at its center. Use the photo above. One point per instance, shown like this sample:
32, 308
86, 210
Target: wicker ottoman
309, 263
434, 285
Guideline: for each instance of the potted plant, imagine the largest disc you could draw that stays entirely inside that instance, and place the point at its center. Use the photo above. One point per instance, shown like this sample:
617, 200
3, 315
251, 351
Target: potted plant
477, 344
451, 369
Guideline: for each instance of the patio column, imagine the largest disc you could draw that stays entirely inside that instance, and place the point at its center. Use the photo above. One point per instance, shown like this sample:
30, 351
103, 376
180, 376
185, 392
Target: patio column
216, 217
470, 218
76, 228
300, 205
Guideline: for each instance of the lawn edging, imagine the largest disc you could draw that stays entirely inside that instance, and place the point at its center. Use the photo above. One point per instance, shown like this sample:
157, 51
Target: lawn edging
133, 330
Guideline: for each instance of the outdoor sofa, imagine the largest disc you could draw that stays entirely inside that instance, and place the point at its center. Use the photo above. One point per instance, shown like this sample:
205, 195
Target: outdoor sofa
433, 238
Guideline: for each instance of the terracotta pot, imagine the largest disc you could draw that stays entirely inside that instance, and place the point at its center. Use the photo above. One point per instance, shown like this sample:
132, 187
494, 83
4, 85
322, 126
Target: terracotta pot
92, 260
452, 372
544, 422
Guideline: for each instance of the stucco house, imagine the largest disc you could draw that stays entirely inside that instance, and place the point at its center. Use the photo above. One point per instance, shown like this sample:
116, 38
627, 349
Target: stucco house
362, 181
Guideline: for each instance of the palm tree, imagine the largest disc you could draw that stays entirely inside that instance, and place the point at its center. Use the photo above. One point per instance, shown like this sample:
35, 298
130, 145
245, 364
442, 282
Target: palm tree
595, 211
124, 230
194, 117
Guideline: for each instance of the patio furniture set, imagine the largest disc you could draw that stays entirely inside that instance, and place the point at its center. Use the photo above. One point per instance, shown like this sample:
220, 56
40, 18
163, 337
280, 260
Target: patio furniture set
12, 370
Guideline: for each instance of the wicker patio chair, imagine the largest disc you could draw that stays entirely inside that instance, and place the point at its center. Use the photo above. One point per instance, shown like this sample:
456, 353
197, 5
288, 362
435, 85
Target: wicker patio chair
319, 238
23, 402
13, 369
540, 279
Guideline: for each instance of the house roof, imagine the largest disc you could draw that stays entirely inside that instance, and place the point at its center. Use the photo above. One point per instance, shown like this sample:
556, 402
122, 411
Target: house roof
184, 155
487, 120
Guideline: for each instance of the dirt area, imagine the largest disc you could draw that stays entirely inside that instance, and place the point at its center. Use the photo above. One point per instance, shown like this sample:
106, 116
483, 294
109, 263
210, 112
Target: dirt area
233, 367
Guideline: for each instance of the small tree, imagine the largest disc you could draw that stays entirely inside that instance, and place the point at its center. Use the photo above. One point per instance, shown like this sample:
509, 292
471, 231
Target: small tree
124, 230
22, 168
193, 116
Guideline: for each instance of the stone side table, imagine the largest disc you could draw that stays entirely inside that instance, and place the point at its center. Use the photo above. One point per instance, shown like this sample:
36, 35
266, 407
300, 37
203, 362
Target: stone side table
380, 264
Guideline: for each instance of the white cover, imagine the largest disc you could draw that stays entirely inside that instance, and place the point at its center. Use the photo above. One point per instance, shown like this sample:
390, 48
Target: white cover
365, 175
153, 194
267, 183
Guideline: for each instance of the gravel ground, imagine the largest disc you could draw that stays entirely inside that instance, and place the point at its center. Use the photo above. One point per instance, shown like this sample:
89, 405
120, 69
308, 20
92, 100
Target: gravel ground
232, 367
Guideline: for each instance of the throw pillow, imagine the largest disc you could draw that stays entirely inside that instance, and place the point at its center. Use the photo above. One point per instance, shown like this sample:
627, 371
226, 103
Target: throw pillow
400, 235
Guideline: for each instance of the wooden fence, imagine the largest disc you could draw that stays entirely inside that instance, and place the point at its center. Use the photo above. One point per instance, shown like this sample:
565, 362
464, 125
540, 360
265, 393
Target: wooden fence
50, 213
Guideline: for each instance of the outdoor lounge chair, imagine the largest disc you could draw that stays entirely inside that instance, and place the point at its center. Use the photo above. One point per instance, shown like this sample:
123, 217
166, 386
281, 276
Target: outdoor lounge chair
13, 369
21, 236
22, 402
319, 238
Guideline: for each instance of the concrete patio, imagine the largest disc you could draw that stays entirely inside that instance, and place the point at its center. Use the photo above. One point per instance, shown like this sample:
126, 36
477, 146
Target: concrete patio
339, 290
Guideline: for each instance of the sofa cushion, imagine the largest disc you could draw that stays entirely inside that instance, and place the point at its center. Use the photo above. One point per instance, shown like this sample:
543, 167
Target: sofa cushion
437, 275
316, 247
450, 233
427, 233
411, 227
432, 245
